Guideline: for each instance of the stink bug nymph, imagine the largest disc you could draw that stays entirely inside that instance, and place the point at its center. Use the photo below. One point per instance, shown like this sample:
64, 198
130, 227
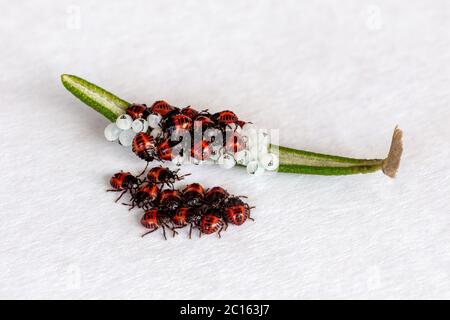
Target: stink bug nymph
144, 146
123, 181
236, 211
146, 195
193, 194
164, 176
155, 218
211, 222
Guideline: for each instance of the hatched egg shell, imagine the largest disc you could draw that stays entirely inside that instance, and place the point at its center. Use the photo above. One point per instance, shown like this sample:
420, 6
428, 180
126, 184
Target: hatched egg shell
243, 157
154, 120
126, 137
254, 168
269, 161
216, 152
226, 161
124, 121
139, 125
112, 132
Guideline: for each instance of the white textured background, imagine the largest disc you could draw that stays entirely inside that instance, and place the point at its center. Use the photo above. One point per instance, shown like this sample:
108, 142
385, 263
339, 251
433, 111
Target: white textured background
334, 76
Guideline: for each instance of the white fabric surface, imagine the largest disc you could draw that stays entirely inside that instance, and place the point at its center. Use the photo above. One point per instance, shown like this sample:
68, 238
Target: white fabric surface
333, 76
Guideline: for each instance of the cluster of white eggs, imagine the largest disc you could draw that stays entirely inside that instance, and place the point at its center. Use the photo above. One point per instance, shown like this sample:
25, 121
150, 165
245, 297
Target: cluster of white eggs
256, 156
125, 128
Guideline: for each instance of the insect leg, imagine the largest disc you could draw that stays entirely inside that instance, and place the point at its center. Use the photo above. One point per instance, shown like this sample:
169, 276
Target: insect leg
125, 191
220, 230
248, 210
190, 232
131, 205
148, 232
164, 232
173, 229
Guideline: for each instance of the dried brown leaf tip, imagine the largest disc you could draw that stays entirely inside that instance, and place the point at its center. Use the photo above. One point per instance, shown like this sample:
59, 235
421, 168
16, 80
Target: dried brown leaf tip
392, 162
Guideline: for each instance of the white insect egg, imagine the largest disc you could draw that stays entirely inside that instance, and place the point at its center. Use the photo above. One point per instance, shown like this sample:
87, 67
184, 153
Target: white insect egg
244, 139
254, 168
124, 121
139, 125
112, 132
154, 120
226, 161
242, 157
126, 137
269, 161
156, 132
216, 151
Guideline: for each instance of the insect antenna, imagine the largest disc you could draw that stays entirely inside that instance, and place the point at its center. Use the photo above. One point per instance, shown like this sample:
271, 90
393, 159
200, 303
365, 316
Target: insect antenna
145, 169
131, 205
184, 175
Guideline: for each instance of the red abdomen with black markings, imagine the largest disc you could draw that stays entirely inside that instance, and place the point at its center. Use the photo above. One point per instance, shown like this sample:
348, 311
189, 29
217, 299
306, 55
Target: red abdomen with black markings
236, 214
165, 150
161, 107
147, 192
150, 219
144, 146
211, 223
193, 194
216, 195
122, 180
180, 121
225, 117
170, 199
158, 175
136, 111
205, 121
190, 112
181, 216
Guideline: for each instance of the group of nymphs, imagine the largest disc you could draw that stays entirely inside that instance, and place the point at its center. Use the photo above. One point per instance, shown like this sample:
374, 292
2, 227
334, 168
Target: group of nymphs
209, 211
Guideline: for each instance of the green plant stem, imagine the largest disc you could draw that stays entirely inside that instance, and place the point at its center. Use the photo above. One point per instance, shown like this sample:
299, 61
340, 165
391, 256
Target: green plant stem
291, 160
300, 161
97, 98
